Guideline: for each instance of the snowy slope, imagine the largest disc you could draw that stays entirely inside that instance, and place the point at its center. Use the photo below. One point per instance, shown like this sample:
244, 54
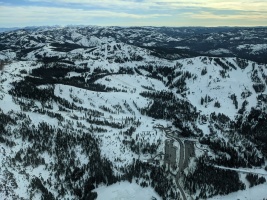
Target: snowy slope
76, 106
220, 86
125, 190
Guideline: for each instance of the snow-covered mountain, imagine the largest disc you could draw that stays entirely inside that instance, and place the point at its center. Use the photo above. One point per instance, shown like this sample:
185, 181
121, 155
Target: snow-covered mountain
87, 108
165, 42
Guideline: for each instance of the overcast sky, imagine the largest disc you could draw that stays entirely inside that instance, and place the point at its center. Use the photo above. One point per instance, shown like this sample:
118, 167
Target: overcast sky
20, 13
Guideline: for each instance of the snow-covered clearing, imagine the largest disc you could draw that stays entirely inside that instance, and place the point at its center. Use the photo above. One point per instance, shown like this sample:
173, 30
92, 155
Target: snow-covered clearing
125, 191
217, 87
254, 48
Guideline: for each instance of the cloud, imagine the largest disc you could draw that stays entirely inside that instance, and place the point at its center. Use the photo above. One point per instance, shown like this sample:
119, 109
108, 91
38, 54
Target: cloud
238, 5
133, 12
112, 4
241, 5
248, 16
30, 14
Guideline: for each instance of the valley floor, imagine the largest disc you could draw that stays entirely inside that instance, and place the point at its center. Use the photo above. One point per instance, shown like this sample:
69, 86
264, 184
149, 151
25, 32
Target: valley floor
126, 191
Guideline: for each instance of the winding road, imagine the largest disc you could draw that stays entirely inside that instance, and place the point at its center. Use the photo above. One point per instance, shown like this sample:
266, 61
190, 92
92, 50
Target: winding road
184, 156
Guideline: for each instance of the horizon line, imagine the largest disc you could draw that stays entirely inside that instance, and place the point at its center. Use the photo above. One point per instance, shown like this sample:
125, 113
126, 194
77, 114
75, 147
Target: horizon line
80, 25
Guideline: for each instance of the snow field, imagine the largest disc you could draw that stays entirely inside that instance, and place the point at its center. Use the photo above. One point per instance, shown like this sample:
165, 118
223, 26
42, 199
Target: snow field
125, 191
218, 88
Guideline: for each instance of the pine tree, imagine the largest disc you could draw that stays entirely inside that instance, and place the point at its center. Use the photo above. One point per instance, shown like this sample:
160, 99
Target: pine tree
202, 101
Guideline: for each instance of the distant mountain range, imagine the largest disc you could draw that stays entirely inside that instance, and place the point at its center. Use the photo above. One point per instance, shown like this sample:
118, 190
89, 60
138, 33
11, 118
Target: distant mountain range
169, 43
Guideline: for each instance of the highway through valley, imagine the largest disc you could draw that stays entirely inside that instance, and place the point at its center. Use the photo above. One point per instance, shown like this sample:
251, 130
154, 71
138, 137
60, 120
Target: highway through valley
184, 155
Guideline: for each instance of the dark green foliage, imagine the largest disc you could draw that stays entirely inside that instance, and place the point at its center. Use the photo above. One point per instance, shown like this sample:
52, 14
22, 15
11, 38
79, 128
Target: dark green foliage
65, 47
254, 179
56, 70
262, 98
170, 53
220, 147
126, 70
56, 73
221, 63
217, 104
180, 84
23, 71
204, 71
230, 64
29, 90
160, 72
202, 101
259, 87
235, 102
137, 71
152, 175
246, 94
147, 87
36, 183
91, 196
220, 117
6, 141
2, 63
212, 181
163, 95
243, 108
208, 99
67, 172
242, 63
255, 77
223, 73
5, 119
166, 106
48, 59
254, 128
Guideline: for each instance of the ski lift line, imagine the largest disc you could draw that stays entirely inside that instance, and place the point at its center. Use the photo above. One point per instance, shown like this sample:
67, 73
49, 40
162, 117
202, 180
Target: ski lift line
241, 170
124, 82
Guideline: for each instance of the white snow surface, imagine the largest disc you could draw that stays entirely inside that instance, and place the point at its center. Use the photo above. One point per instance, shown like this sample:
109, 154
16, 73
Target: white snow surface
182, 47
218, 88
219, 51
125, 191
254, 48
